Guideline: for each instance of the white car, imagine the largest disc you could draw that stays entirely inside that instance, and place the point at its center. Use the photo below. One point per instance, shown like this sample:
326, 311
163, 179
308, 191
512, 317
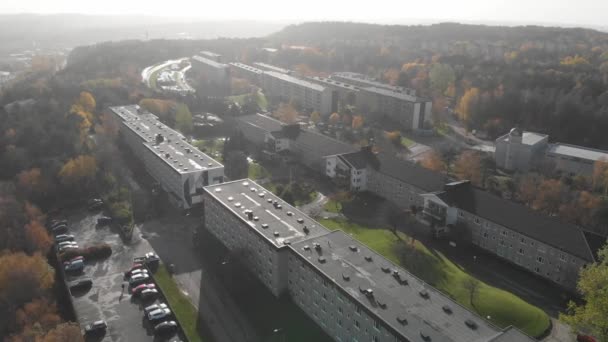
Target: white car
153, 307
136, 272
138, 279
67, 243
65, 248
159, 314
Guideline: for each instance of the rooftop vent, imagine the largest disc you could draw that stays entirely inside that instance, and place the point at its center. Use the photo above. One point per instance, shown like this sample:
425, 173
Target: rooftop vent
346, 276
253, 189
385, 269
322, 259
306, 230
210, 164
185, 169
381, 303
218, 190
289, 213
424, 294
317, 246
262, 194
368, 258
264, 225
237, 204
353, 248
245, 183
276, 233
167, 155
471, 324
306, 247
300, 220
250, 215
425, 336
255, 218
447, 309
269, 200
402, 320
230, 199
287, 242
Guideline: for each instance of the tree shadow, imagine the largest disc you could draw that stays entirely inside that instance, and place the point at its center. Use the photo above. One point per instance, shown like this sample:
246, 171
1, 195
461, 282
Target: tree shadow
422, 265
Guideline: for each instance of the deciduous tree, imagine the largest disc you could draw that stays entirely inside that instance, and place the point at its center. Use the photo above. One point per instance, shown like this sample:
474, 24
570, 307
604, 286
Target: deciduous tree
79, 171
468, 101
549, 196
434, 161
591, 316
441, 76
286, 113
315, 117
334, 118
358, 122
468, 166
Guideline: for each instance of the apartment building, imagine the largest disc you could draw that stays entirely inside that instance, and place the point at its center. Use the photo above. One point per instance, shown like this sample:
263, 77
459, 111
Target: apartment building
544, 245
347, 93
212, 56
257, 226
409, 111
304, 145
269, 67
241, 70
522, 151
180, 168
308, 95
362, 81
399, 181
215, 76
351, 292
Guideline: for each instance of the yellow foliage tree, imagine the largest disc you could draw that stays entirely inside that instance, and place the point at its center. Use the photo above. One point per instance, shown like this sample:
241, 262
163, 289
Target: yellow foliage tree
434, 161
87, 101
466, 103
468, 167
334, 118
358, 122
315, 117
286, 113
78, 171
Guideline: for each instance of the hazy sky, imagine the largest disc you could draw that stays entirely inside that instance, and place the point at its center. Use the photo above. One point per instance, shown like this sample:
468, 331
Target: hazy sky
579, 12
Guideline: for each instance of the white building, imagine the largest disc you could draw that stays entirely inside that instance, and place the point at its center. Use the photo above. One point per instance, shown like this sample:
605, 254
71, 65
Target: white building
310, 96
351, 292
180, 168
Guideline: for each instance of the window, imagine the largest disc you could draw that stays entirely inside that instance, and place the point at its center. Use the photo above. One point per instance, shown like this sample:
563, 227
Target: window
357, 324
522, 240
521, 251
374, 339
562, 257
461, 213
537, 270
358, 309
485, 235
504, 233
376, 325
540, 259
477, 221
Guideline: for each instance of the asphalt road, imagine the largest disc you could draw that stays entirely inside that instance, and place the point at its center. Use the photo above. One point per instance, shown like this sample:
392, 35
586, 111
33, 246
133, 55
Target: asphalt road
106, 299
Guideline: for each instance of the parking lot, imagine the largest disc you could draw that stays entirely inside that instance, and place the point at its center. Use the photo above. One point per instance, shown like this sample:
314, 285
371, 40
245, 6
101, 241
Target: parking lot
106, 299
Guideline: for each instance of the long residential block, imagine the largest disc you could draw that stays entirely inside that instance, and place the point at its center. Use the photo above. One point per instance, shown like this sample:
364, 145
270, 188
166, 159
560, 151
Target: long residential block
351, 292
180, 168
310, 96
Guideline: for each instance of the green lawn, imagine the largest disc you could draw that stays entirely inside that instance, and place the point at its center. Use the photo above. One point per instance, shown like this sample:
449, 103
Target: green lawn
260, 99
303, 195
504, 308
407, 142
211, 147
333, 206
257, 171
184, 311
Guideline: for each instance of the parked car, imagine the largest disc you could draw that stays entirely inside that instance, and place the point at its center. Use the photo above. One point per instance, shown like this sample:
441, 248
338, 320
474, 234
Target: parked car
67, 243
159, 314
137, 289
96, 327
58, 223
167, 327
133, 269
148, 294
148, 258
80, 257
80, 284
585, 338
104, 220
131, 273
64, 237
95, 206
74, 266
65, 248
94, 200
153, 307
61, 229
138, 279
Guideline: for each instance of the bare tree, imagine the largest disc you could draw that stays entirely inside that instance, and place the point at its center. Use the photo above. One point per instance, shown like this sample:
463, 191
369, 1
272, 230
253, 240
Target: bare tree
472, 286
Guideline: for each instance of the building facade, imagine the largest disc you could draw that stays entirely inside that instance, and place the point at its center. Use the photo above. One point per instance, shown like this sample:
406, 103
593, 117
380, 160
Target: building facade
310, 96
409, 111
254, 75
212, 75
351, 292
179, 168
543, 245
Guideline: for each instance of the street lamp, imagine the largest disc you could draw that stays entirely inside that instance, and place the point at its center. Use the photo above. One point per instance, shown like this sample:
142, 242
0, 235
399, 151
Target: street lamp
279, 331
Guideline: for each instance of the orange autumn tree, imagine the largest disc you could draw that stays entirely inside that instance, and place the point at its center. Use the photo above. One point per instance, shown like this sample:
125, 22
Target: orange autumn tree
358, 122
286, 113
468, 167
79, 171
434, 161
334, 118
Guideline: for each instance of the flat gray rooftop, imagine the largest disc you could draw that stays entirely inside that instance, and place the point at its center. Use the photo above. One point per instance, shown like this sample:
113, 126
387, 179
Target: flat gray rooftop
360, 78
281, 227
531, 138
295, 80
392, 93
246, 67
404, 302
271, 67
174, 149
209, 62
578, 152
335, 83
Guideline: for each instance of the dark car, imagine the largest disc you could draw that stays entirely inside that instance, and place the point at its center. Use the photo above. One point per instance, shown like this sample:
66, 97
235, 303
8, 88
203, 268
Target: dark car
104, 220
148, 294
96, 327
167, 327
56, 223
61, 229
81, 284
64, 237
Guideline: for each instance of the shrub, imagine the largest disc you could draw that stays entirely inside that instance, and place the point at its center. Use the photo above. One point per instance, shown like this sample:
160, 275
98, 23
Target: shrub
101, 251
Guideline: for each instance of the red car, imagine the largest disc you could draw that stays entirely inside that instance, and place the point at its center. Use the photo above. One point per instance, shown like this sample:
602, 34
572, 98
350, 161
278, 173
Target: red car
137, 289
585, 338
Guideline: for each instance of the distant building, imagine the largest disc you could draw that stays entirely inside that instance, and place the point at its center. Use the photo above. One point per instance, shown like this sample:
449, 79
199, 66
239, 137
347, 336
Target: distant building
409, 111
308, 95
180, 168
362, 81
213, 75
552, 249
347, 93
306, 146
254, 75
523, 151
269, 67
351, 292
212, 56
519, 150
